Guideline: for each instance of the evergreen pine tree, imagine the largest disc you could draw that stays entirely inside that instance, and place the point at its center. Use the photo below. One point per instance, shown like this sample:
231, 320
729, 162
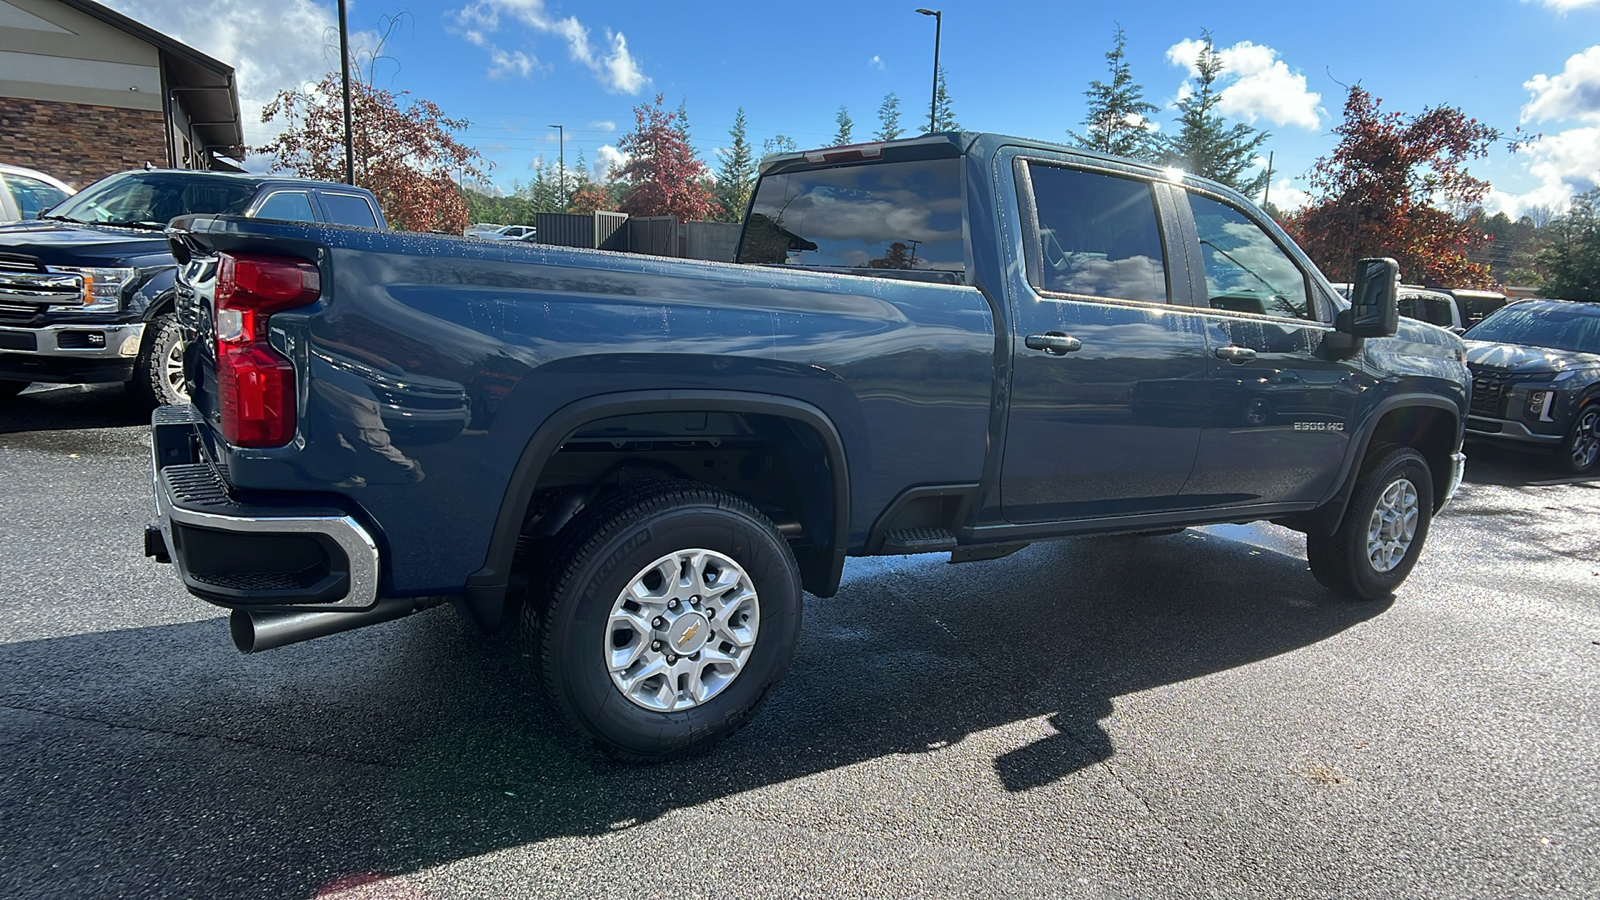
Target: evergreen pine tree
682, 116
1205, 144
780, 143
842, 136
736, 175
943, 118
889, 118
1115, 122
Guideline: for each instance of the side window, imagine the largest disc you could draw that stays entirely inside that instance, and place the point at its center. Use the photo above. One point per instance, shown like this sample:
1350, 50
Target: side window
34, 197
1098, 236
1246, 270
349, 209
287, 206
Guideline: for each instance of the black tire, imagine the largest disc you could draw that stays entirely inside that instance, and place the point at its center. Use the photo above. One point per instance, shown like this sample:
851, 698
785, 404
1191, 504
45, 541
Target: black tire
9, 389
600, 554
1580, 452
1340, 560
153, 384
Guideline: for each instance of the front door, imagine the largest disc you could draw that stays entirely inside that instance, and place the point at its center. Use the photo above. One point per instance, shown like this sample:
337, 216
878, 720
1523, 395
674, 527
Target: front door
1105, 370
1281, 409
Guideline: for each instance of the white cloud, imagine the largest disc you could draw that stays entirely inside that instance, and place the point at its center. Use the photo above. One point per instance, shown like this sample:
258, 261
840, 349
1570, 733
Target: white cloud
1573, 94
1255, 84
603, 126
1566, 5
876, 62
249, 35
503, 63
612, 64
606, 159
1566, 163
1285, 196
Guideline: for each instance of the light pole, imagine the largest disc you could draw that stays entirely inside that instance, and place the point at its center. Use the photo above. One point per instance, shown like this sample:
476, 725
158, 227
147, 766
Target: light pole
561, 162
938, 26
344, 60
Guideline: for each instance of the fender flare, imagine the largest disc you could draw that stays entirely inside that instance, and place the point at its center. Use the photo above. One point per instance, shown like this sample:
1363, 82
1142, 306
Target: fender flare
484, 594
1328, 516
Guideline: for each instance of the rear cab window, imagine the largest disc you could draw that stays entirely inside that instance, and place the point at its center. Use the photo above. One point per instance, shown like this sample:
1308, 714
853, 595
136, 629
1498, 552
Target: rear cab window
898, 219
287, 206
349, 209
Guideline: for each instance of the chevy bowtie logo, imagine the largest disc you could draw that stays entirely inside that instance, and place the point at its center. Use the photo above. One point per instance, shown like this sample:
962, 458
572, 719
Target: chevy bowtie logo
689, 635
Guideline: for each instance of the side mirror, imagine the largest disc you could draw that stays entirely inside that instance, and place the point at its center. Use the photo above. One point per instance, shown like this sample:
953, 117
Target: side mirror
1374, 300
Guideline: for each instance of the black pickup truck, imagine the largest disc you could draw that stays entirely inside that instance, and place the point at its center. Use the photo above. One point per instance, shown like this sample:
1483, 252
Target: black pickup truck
86, 290
958, 343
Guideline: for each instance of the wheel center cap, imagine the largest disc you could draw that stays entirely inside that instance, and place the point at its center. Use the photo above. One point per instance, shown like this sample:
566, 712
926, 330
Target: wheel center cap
688, 633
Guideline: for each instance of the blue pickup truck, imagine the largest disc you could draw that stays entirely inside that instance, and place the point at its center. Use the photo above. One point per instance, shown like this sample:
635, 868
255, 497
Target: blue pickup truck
959, 344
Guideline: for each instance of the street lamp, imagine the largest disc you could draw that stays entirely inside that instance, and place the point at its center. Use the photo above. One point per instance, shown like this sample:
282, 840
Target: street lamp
561, 161
938, 25
344, 66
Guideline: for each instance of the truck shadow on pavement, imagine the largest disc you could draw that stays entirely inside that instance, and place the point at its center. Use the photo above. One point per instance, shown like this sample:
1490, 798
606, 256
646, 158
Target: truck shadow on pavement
158, 761
71, 406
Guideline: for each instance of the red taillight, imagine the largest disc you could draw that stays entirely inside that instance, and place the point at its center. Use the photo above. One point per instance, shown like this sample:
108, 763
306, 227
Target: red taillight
255, 384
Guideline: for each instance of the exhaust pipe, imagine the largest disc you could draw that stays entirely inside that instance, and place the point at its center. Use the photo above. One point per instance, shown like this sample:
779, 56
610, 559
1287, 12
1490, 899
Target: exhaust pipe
255, 631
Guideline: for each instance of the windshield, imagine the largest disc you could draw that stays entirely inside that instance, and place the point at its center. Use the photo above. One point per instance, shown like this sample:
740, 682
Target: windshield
1576, 329
152, 199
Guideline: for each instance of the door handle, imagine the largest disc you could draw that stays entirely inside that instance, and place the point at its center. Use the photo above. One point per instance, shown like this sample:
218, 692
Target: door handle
1235, 353
1054, 343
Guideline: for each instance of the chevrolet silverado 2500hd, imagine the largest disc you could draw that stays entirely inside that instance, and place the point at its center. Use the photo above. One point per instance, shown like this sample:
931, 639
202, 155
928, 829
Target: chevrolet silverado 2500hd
958, 343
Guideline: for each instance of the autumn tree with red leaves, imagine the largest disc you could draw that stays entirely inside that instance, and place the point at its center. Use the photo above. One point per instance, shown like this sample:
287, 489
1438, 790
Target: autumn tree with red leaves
408, 157
665, 178
1389, 190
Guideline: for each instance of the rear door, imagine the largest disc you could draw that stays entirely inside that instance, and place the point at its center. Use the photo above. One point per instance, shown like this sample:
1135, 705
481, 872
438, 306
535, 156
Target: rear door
1105, 369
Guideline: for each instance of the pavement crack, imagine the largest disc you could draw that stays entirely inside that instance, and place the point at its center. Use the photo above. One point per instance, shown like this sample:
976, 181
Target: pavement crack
201, 735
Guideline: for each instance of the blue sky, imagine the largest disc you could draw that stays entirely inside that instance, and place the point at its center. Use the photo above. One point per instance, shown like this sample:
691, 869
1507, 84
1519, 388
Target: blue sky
515, 67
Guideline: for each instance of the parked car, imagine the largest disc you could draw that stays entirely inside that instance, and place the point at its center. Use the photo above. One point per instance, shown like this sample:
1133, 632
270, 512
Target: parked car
1424, 305
509, 233
25, 194
929, 345
86, 291
1475, 305
480, 229
1536, 380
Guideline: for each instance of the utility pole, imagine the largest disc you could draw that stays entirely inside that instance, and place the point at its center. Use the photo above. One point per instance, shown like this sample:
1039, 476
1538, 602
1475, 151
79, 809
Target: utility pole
938, 25
344, 61
561, 163
1266, 193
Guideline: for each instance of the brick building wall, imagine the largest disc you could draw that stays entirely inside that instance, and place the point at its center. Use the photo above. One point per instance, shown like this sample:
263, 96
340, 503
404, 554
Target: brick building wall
80, 144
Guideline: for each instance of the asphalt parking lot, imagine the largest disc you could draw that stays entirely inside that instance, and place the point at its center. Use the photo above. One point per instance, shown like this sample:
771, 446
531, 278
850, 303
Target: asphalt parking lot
1182, 716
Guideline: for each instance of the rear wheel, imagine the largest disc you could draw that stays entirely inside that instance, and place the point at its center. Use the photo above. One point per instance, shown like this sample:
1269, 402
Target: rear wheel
9, 389
1383, 531
1580, 452
158, 373
674, 610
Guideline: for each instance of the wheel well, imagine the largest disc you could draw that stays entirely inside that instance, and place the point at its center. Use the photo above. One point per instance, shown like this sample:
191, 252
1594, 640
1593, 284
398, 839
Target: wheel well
1426, 429
778, 464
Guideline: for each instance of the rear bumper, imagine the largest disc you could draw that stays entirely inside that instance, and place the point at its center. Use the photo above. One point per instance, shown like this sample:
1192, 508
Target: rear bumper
251, 556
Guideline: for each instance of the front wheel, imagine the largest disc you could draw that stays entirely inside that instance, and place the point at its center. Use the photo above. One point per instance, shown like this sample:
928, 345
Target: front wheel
158, 373
675, 609
1581, 450
1383, 531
